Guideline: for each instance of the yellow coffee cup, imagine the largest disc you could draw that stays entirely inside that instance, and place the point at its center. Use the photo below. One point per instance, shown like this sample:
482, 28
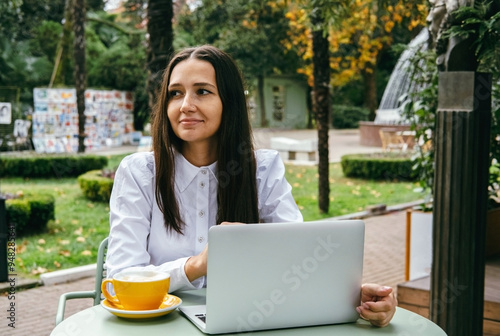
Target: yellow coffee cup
137, 290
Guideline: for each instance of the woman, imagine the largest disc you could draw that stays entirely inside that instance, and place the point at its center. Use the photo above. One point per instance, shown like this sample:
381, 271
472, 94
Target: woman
203, 171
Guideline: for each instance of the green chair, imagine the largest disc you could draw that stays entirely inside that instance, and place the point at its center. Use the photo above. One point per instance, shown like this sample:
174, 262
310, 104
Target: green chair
96, 293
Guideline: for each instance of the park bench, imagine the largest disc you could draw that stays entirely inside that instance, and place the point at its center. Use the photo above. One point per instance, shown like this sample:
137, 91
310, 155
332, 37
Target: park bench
296, 151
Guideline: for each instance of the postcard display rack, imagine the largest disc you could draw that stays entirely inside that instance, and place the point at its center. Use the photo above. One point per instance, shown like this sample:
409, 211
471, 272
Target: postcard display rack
108, 119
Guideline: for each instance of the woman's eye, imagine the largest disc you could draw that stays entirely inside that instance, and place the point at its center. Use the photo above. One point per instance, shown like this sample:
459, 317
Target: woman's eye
203, 92
174, 93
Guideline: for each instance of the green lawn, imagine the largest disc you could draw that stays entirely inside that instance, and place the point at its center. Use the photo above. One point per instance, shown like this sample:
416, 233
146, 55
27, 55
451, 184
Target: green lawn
347, 195
72, 239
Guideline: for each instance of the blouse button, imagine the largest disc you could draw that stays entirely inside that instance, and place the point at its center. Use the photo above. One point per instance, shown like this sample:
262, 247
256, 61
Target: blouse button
202, 184
204, 171
200, 239
201, 213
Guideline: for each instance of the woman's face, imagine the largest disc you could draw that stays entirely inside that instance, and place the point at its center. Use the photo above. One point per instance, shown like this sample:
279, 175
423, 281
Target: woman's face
194, 107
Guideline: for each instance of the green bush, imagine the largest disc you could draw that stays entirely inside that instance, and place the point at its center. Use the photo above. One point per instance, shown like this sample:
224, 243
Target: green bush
348, 116
49, 165
42, 210
95, 186
30, 214
379, 166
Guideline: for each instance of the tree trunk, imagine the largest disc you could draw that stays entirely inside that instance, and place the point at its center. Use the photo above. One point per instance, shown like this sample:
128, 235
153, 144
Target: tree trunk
62, 61
159, 16
321, 105
262, 102
370, 88
80, 73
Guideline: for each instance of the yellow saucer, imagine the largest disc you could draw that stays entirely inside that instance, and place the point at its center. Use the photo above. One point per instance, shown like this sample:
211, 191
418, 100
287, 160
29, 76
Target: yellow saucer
170, 303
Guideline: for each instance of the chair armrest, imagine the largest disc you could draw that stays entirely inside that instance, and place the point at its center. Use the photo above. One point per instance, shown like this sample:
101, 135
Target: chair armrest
69, 296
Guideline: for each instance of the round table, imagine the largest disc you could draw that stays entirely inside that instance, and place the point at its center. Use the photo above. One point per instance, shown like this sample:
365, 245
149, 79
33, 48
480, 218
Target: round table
98, 321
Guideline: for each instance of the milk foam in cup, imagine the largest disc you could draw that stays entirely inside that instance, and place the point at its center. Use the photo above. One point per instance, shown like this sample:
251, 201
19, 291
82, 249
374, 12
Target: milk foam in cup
137, 290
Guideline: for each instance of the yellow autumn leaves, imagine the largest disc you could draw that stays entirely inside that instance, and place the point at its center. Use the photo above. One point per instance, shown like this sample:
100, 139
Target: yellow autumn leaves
367, 30
62, 247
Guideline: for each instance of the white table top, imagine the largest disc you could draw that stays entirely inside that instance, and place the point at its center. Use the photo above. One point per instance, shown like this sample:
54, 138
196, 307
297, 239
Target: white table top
98, 321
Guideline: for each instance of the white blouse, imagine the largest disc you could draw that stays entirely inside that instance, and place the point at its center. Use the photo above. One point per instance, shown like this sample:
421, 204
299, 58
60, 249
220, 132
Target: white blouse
138, 237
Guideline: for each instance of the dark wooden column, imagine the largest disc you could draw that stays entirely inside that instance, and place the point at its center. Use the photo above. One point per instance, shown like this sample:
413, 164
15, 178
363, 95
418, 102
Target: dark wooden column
3, 242
460, 198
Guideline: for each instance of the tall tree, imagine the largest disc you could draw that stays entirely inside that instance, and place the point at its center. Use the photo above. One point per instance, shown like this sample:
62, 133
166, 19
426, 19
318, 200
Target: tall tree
79, 70
159, 27
360, 31
321, 103
63, 55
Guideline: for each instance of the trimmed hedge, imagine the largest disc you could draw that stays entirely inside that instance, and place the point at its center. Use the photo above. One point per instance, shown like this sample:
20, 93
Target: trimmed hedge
379, 166
49, 165
95, 186
348, 116
31, 213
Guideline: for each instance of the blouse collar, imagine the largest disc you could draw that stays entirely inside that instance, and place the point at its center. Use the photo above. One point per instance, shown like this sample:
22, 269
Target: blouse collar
185, 172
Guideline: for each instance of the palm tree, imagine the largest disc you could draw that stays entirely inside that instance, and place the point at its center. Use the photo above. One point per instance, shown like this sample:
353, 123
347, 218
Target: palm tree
321, 104
159, 27
80, 73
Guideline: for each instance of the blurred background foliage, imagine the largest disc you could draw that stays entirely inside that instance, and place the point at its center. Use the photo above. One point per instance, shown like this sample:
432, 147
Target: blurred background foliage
265, 37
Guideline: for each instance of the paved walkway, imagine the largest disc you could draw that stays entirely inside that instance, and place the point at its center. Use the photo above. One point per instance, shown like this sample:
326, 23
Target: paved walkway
35, 308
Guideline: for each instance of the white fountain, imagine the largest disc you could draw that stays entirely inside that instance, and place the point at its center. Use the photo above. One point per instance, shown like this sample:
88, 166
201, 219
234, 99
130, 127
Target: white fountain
388, 114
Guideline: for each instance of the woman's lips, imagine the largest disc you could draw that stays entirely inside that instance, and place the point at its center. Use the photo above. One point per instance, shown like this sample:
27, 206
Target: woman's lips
190, 122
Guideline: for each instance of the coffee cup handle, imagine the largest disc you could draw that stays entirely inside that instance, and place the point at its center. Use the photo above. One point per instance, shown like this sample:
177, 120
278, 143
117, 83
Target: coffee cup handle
104, 290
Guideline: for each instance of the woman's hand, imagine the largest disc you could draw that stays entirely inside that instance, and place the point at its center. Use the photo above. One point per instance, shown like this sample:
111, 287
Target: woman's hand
196, 266
378, 304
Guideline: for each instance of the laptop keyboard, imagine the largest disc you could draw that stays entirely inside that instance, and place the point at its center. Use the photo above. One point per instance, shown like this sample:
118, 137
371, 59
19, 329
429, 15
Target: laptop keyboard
202, 317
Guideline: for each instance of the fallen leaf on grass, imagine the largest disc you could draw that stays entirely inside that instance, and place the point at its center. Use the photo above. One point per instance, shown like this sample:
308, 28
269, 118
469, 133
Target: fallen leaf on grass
65, 253
78, 231
296, 185
64, 242
39, 248
74, 221
80, 239
86, 253
21, 247
90, 205
38, 270
58, 265
41, 241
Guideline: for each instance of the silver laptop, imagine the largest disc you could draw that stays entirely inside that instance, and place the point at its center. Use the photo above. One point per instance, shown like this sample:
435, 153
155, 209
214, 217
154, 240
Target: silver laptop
281, 275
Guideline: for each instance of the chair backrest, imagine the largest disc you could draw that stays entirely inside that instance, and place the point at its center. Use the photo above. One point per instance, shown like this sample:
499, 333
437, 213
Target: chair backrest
101, 270
96, 293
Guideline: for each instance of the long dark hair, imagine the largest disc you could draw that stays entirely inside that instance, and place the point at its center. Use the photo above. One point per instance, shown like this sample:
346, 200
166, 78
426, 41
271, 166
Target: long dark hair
236, 167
